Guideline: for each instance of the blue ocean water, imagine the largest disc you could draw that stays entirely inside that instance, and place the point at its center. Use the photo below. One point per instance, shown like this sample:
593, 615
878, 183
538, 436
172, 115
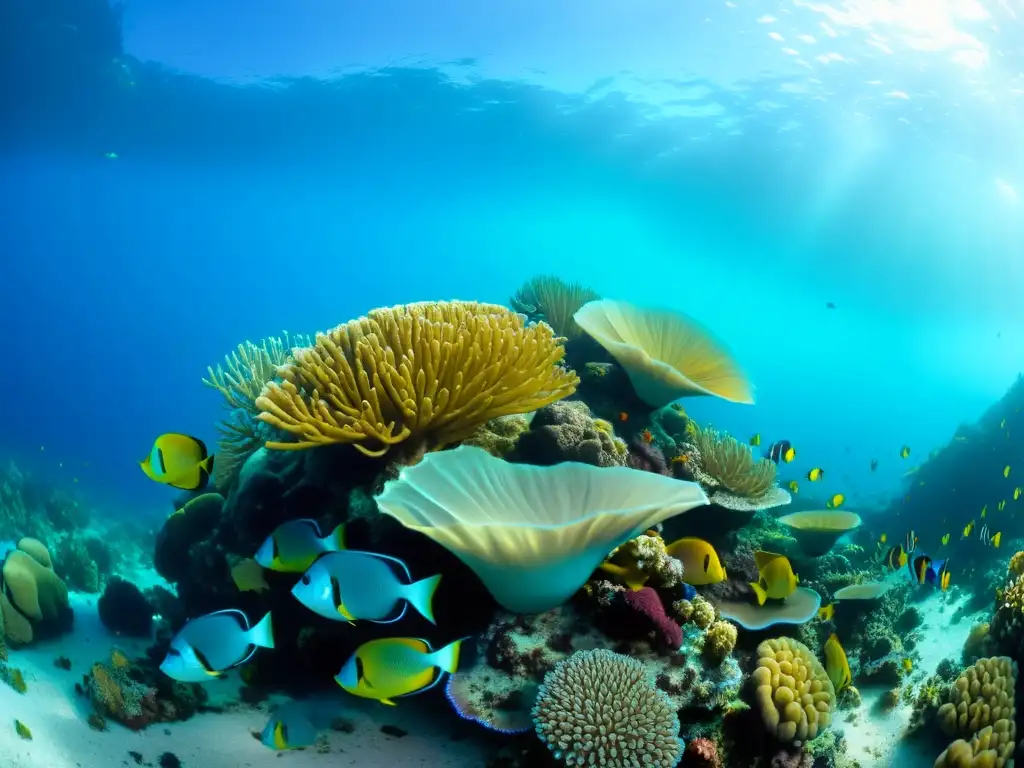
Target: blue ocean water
283, 166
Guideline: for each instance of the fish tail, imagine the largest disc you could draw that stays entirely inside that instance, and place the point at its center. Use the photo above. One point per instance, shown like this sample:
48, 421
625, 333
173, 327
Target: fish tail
447, 659
336, 539
421, 595
761, 594
263, 633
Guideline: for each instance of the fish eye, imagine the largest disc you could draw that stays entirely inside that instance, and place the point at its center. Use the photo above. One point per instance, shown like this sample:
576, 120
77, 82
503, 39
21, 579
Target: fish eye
305, 579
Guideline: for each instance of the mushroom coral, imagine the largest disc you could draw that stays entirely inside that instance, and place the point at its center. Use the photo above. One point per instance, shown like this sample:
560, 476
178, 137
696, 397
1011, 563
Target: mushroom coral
430, 372
531, 534
666, 354
817, 531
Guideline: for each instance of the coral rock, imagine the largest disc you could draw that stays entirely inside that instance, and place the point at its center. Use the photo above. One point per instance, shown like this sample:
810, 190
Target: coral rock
701, 753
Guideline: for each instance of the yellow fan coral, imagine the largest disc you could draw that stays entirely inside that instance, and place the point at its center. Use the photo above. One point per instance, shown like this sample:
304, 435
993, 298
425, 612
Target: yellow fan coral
666, 354
533, 535
730, 464
555, 301
430, 372
792, 689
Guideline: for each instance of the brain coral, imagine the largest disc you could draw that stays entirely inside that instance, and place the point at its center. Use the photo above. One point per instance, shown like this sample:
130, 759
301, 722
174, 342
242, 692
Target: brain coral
430, 372
793, 692
601, 708
984, 696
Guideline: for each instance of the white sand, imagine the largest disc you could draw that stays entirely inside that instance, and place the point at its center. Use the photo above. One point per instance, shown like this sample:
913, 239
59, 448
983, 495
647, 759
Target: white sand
875, 739
63, 739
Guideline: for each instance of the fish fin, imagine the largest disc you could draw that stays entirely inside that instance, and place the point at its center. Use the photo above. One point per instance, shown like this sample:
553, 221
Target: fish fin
762, 558
421, 596
205, 662
447, 658
613, 569
336, 539
761, 594
205, 470
263, 633
389, 702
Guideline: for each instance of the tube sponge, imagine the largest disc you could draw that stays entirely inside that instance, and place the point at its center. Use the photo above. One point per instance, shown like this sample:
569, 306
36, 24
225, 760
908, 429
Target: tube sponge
792, 690
601, 708
431, 372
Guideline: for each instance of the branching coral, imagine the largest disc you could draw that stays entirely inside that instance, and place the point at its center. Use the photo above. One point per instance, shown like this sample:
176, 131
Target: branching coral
600, 708
730, 464
431, 373
793, 691
554, 301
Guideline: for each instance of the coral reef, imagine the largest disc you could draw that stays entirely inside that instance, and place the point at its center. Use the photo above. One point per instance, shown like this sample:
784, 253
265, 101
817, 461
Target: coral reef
983, 695
719, 642
34, 600
793, 693
567, 431
124, 610
499, 436
549, 299
600, 706
643, 560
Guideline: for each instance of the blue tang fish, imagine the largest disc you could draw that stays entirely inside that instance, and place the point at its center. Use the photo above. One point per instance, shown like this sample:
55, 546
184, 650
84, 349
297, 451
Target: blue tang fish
208, 646
293, 546
352, 585
390, 667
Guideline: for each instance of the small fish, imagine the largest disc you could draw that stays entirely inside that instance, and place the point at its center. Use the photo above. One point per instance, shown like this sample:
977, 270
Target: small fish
829, 305
351, 585
936, 573
293, 546
1016, 493
908, 666
681, 459
919, 567
1001, 505
288, 728
794, 486
776, 578
874, 464
623, 416
883, 538
985, 536
968, 530
646, 436
910, 541
390, 667
816, 474
904, 451
756, 440
781, 451
179, 461
700, 561
945, 539
110, 155
895, 558
836, 501
208, 646
984, 510
836, 664
1006, 471
248, 576
825, 613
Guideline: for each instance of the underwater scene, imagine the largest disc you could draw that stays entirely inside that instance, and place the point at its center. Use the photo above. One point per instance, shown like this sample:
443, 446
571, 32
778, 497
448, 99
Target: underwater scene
438, 384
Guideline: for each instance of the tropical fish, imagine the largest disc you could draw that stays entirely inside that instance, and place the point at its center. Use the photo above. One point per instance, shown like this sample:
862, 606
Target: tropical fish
836, 501
179, 461
825, 613
883, 538
390, 667
933, 572
294, 545
1006, 471
1016, 493
945, 539
919, 568
1001, 505
874, 464
984, 511
895, 558
776, 578
910, 541
816, 474
288, 728
208, 646
794, 486
248, 576
968, 530
756, 439
987, 537
908, 666
351, 585
701, 565
623, 416
904, 451
836, 665
781, 450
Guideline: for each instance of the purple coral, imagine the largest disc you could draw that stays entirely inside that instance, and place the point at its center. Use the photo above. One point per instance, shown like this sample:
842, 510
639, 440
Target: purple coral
647, 603
647, 457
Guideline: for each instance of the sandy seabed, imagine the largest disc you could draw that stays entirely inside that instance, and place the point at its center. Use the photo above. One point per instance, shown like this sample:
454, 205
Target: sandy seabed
61, 737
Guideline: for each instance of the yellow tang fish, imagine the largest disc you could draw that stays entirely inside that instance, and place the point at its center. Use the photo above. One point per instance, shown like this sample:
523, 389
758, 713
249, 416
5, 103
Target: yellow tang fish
179, 461
756, 439
836, 665
836, 501
945, 539
816, 474
1006, 471
968, 529
794, 486
390, 667
904, 451
700, 561
908, 666
776, 577
825, 613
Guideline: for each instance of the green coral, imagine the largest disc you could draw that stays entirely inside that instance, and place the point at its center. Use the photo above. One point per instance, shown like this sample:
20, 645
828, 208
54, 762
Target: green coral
719, 641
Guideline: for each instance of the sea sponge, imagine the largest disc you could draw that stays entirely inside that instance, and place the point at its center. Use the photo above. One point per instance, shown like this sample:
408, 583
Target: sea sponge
988, 749
727, 463
601, 708
37, 550
35, 590
430, 372
983, 696
554, 301
499, 436
792, 690
719, 641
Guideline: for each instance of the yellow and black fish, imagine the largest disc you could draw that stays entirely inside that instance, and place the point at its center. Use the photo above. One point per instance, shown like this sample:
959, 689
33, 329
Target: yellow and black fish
836, 501
816, 474
826, 612
968, 530
836, 664
895, 558
985, 536
945, 539
781, 451
1016, 493
919, 568
883, 538
179, 461
756, 439
904, 451
794, 486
